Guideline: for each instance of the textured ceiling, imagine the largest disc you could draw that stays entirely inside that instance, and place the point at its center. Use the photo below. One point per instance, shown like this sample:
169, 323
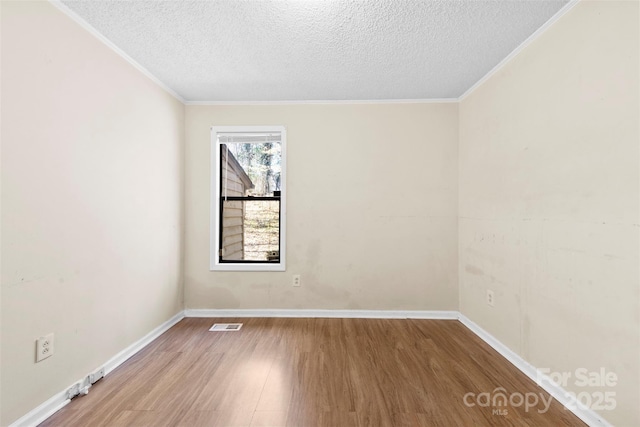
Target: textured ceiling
238, 50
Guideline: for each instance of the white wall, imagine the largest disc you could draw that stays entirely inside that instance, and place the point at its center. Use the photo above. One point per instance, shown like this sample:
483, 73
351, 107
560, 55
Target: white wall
91, 203
371, 205
549, 200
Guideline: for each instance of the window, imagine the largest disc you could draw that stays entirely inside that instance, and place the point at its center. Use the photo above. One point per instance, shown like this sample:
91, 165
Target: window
248, 198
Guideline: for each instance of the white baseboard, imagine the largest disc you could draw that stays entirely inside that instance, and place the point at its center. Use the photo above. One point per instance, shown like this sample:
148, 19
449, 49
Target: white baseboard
125, 354
344, 314
43, 411
60, 400
587, 415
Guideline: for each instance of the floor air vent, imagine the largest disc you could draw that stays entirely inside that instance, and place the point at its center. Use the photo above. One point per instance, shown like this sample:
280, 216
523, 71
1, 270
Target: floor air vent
226, 327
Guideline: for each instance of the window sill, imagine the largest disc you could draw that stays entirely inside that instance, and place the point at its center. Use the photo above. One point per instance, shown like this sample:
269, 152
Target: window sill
248, 267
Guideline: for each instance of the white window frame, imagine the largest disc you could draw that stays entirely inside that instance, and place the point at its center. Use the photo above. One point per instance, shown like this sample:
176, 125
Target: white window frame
214, 228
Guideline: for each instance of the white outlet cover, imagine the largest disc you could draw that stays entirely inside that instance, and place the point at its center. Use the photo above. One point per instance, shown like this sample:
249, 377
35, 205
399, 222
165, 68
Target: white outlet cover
44, 347
490, 298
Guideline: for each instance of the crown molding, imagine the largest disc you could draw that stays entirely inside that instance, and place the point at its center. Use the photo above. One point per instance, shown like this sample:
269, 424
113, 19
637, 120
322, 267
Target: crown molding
330, 102
529, 40
84, 24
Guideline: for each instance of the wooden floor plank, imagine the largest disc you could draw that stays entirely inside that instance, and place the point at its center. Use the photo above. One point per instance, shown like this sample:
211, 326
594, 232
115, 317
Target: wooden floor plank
310, 372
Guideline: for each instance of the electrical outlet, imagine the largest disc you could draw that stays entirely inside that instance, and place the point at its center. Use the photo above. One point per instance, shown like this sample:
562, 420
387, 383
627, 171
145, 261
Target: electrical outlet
296, 280
44, 347
490, 297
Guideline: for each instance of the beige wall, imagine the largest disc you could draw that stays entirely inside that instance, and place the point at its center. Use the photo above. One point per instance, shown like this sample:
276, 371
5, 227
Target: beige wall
91, 203
549, 200
372, 208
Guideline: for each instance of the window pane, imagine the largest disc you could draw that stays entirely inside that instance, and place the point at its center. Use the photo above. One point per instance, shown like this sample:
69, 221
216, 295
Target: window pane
257, 166
262, 230
233, 230
251, 230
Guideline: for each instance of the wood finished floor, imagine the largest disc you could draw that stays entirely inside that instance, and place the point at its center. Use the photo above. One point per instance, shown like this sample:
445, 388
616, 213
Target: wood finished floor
310, 372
